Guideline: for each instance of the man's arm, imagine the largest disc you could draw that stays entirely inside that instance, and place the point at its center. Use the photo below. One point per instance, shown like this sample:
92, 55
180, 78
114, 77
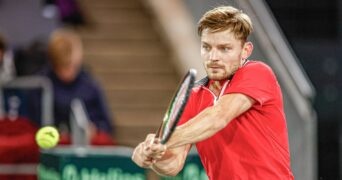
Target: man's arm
211, 120
172, 162
167, 162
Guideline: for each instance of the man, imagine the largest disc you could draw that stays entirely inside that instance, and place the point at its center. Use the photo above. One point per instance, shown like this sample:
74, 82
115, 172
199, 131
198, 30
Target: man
234, 116
69, 82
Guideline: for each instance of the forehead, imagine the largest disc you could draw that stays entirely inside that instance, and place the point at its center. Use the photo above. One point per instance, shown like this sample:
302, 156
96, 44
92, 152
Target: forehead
220, 37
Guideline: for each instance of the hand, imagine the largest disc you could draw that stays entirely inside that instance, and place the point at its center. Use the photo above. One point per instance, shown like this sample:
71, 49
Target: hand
148, 152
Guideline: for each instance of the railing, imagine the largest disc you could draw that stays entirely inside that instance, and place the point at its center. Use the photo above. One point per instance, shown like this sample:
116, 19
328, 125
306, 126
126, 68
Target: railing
79, 122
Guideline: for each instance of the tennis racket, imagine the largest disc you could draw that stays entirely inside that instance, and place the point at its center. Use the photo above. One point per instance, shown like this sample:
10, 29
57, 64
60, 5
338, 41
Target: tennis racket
176, 107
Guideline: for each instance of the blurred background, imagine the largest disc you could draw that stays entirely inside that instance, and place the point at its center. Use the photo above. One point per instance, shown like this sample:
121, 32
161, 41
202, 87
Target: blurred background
138, 50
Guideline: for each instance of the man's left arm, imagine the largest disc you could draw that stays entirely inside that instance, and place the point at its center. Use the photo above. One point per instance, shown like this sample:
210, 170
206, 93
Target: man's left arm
211, 120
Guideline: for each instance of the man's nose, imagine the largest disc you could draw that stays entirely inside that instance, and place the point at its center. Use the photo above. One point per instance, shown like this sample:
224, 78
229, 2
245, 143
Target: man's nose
214, 56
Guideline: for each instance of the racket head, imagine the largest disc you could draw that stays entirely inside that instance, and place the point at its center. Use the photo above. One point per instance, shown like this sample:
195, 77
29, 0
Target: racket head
176, 106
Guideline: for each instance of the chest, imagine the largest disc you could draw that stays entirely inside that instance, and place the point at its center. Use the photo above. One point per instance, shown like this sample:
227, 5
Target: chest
65, 94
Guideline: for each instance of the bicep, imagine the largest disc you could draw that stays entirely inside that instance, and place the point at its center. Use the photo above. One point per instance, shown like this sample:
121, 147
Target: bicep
232, 105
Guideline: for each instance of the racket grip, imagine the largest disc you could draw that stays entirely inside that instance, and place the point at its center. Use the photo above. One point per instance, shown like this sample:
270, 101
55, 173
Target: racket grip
158, 131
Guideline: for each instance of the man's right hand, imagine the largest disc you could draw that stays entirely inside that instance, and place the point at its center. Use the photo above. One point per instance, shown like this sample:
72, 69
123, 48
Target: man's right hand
148, 152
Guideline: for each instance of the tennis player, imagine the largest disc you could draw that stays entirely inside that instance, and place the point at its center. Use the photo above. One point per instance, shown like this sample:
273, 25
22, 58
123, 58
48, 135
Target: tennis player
234, 116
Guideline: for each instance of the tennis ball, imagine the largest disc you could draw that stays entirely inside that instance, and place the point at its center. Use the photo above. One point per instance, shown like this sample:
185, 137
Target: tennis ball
47, 137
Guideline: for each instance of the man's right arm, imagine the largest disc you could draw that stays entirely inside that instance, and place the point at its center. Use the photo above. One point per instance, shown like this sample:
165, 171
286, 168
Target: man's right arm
172, 162
166, 162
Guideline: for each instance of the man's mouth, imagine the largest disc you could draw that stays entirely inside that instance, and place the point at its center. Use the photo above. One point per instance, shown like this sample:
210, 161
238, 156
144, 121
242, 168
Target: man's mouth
215, 67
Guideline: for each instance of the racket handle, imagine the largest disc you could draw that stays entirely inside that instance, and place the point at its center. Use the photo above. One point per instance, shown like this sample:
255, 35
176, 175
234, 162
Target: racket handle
158, 131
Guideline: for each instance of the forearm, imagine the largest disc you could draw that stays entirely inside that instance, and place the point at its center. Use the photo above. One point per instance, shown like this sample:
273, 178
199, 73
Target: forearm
172, 162
197, 129
168, 166
211, 120
166, 162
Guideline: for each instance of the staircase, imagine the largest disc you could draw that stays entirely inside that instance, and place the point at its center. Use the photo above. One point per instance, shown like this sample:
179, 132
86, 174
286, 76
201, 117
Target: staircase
128, 57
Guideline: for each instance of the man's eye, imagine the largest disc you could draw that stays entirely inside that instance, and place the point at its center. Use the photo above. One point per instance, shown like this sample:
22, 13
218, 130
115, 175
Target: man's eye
226, 48
207, 48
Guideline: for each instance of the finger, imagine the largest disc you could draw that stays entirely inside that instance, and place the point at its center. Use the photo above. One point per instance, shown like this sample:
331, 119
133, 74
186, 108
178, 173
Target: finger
159, 156
157, 148
149, 137
151, 142
150, 151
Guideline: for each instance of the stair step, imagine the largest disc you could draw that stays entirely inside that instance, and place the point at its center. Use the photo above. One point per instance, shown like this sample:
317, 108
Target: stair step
129, 32
127, 16
139, 99
121, 81
142, 118
122, 13
114, 48
129, 64
89, 4
132, 135
131, 70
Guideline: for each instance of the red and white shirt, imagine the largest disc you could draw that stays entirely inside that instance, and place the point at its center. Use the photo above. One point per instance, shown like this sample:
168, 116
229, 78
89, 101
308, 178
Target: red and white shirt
254, 145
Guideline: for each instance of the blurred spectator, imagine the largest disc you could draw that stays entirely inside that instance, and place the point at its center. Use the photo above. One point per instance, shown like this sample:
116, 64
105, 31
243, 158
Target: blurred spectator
7, 70
71, 81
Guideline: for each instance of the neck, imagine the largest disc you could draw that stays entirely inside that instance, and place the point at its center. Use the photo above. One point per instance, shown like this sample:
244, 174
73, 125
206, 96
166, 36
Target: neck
216, 85
67, 75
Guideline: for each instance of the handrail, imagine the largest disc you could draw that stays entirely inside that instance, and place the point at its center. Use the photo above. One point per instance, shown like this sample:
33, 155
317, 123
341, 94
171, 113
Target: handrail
18, 169
79, 123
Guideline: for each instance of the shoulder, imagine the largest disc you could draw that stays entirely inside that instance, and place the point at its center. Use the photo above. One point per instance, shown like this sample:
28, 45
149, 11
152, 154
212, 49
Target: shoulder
88, 80
199, 84
255, 68
86, 77
257, 65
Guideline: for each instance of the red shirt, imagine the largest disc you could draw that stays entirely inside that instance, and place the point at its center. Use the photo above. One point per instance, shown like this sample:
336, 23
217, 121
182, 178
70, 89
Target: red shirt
254, 145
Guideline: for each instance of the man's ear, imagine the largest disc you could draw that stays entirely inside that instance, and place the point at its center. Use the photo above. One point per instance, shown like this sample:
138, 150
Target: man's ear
247, 50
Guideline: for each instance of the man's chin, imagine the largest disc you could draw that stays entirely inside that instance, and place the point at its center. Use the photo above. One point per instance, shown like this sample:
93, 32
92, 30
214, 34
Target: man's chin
216, 77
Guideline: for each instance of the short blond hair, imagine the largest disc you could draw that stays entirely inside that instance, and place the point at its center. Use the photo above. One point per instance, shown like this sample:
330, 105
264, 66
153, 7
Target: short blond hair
61, 45
226, 18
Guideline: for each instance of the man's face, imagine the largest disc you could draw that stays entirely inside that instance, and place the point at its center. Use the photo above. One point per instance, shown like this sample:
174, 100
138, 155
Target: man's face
69, 72
222, 53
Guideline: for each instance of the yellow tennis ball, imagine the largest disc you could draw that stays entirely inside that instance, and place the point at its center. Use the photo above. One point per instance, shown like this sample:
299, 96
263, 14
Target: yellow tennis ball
47, 137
